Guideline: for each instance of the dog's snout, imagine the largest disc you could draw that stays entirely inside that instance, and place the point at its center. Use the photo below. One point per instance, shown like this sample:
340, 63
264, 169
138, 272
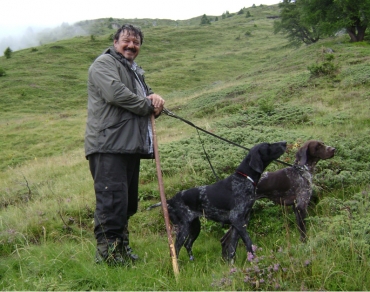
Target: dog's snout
331, 149
284, 144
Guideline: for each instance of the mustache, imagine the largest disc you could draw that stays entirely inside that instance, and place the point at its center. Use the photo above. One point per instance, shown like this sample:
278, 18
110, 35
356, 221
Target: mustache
131, 50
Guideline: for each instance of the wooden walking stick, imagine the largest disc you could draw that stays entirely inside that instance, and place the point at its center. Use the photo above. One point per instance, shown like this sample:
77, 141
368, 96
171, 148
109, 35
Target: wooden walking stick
163, 200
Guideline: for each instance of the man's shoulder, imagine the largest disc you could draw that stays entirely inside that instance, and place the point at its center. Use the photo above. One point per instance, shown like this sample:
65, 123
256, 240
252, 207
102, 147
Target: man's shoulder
105, 56
104, 60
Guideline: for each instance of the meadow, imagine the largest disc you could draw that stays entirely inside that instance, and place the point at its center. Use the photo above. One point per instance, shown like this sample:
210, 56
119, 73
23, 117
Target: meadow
233, 78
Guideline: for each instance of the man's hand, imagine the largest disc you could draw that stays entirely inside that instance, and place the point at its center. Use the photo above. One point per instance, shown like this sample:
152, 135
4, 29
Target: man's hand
157, 102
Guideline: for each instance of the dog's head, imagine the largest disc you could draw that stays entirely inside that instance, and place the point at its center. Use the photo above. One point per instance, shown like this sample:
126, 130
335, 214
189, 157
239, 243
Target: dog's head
263, 154
312, 151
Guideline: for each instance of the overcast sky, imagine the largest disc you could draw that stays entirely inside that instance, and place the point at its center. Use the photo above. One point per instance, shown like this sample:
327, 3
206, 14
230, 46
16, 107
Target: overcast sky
17, 15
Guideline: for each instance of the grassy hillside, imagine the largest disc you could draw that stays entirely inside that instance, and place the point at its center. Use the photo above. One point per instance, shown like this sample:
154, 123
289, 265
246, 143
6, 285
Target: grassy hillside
234, 78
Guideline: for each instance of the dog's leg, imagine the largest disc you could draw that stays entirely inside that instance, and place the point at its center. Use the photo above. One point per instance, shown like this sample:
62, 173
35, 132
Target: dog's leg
181, 235
240, 226
229, 242
226, 238
194, 230
300, 215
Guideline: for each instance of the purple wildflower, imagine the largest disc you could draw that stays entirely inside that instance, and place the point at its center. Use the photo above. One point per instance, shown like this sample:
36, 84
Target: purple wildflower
276, 267
254, 247
250, 256
233, 270
11, 231
307, 262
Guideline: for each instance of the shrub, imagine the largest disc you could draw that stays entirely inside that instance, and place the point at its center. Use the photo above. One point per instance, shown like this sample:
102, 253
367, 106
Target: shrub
327, 67
344, 221
266, 105
8, 53
2, 72
205, 20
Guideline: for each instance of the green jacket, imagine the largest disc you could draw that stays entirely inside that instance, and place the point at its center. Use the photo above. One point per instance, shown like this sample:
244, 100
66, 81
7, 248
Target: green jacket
117, 118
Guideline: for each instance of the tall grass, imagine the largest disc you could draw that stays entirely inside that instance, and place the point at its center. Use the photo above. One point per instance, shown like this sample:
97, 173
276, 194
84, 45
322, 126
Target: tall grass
234, 78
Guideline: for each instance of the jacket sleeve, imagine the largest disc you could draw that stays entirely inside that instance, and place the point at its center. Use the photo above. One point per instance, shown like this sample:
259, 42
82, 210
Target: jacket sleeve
106, 78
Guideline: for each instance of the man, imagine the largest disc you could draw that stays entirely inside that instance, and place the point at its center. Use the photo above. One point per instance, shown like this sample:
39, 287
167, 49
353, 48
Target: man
118, 134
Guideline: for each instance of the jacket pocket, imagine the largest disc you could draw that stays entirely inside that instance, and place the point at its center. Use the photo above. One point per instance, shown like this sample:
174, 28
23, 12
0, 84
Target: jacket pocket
110, 139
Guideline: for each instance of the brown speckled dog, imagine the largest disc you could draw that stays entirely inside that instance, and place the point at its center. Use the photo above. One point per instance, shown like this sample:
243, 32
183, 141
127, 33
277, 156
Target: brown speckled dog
291, 186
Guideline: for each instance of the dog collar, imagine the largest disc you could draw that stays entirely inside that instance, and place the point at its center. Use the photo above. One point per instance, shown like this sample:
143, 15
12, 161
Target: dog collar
303, 167
243, 174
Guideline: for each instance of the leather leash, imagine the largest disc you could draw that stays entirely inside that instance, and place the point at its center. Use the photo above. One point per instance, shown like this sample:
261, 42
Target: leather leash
171, 114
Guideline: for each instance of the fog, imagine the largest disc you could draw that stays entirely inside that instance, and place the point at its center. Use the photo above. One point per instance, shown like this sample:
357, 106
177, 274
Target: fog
25, 23
33, 36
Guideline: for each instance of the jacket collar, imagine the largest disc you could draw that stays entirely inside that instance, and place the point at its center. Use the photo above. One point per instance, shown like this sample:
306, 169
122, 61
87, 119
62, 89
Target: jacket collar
124, 61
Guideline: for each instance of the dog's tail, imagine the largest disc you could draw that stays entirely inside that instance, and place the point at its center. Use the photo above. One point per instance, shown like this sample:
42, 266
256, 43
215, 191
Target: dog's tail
154, 206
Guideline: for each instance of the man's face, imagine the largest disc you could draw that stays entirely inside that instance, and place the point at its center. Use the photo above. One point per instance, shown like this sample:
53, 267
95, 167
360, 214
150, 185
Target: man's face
128, 45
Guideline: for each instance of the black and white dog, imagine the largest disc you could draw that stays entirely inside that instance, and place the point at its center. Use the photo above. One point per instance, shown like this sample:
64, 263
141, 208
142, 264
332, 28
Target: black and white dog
227, 201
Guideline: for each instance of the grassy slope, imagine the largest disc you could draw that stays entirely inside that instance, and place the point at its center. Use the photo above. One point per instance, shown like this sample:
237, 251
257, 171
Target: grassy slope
234, 78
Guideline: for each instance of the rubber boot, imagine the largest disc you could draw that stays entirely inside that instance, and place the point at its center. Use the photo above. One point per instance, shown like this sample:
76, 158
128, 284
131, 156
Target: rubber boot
127, 250
111, 253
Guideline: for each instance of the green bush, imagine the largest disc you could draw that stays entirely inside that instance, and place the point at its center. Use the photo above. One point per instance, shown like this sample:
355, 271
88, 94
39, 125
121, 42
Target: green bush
8, 53
205, 20
2, 72
327, 67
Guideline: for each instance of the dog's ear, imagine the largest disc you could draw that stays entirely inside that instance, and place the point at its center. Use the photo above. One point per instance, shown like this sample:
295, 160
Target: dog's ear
256, 162
301, 155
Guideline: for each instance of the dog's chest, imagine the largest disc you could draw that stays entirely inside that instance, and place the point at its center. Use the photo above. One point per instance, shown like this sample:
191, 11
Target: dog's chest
302, 176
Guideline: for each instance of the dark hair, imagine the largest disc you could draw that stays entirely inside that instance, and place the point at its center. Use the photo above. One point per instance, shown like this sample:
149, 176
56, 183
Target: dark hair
130, 29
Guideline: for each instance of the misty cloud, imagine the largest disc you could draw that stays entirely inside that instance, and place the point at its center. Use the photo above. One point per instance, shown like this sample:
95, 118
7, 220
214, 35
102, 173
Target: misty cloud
36, 36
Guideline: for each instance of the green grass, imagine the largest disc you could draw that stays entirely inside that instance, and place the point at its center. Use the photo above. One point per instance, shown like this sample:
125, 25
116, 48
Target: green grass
234, 78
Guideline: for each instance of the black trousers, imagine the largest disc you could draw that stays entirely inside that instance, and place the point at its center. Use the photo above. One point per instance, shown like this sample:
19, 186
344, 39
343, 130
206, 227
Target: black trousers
116, 182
